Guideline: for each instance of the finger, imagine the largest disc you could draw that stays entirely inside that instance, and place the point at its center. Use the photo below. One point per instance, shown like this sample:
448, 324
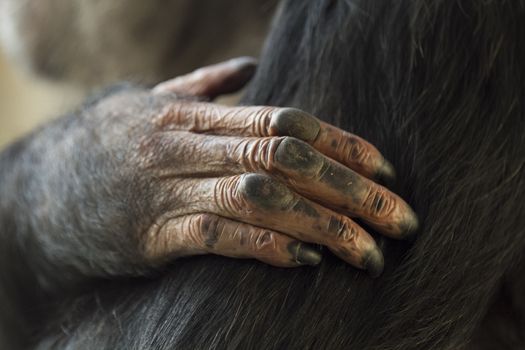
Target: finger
322, 179
208, 233
306, 170
260, 121
212, 81
260, 200
353, 151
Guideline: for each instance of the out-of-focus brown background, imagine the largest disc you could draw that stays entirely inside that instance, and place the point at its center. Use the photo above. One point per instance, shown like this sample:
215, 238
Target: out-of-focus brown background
26, 101
88, 44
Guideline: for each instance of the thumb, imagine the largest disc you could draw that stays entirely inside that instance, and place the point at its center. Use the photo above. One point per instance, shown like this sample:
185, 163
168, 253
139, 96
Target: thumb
212, 81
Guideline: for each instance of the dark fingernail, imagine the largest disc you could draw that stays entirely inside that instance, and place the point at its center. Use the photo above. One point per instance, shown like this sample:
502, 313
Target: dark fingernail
247, 70
386, 173
294, 122
303, 254
241, 70
243, 61
409, 225
373, 262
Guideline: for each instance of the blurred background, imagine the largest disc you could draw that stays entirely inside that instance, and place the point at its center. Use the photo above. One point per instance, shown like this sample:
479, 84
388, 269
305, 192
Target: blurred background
54, 52
26, 100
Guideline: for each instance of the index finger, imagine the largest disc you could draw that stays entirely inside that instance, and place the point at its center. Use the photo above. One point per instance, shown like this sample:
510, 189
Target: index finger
344, 147
261, 121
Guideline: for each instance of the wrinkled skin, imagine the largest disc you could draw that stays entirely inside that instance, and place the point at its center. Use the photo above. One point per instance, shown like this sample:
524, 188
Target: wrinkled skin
249, 181
140, 177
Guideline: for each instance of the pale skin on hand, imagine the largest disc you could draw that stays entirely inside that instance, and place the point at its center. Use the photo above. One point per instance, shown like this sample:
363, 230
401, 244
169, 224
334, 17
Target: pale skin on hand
261, 182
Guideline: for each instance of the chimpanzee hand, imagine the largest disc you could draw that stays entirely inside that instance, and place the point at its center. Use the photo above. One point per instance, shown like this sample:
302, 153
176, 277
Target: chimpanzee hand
245, 181
141, 177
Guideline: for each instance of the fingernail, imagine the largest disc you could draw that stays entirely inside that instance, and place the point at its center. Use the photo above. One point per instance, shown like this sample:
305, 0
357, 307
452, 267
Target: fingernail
303, 254
409, 224
243, 61
294, 122
386, 172
247, 69
373, 262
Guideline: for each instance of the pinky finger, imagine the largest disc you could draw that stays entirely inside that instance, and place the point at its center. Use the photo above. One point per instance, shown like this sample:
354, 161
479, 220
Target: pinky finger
205, 233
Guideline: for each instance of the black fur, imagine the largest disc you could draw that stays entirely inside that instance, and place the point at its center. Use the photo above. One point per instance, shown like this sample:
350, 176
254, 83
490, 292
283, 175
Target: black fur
439, 88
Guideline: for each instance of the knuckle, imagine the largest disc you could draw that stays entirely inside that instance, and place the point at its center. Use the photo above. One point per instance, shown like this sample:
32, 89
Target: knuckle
377, 202
259, 153
171, 237
355, 150
228, 196
294, 122
263, 240
208, 227
183, 114
262, 191
300, 156
261, 120
342, 229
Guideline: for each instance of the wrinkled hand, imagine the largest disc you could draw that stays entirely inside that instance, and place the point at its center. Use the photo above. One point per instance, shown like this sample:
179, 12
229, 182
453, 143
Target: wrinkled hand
246, 182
